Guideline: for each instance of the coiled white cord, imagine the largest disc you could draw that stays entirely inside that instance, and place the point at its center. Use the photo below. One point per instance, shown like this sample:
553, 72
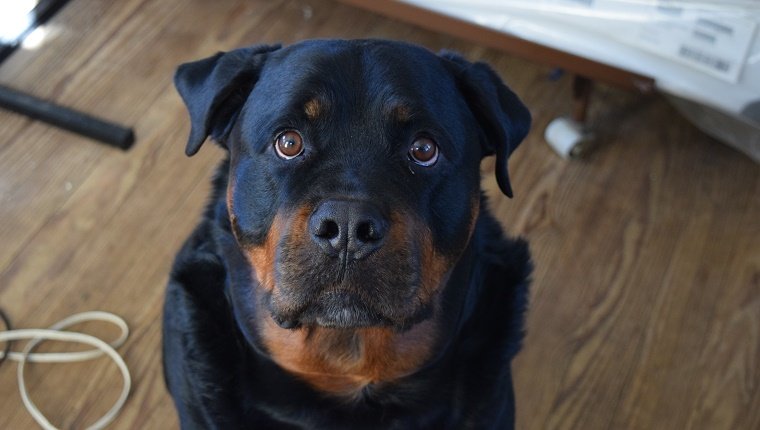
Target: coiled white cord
36, 336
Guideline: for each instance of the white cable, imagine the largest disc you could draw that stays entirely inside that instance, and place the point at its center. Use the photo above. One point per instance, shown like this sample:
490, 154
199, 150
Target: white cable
36, 336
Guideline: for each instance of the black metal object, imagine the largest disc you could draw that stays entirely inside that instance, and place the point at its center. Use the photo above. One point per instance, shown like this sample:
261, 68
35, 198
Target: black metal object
69, 119
51, 113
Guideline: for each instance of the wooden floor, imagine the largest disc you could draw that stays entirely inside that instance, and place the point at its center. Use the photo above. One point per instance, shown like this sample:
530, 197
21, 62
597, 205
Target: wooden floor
645, 308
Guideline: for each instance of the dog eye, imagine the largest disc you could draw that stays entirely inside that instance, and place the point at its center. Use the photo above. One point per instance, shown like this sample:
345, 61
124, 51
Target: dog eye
423, 151
288, 144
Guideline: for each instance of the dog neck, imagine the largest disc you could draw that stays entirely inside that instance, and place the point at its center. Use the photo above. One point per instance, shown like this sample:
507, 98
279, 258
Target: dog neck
343, 362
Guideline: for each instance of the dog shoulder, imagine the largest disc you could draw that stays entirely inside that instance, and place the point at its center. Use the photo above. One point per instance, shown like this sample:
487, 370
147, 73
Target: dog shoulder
506, 267
199, 339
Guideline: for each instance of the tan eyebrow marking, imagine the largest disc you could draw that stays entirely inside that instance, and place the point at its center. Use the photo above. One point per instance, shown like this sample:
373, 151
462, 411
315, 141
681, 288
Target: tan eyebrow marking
401, 112
313, 108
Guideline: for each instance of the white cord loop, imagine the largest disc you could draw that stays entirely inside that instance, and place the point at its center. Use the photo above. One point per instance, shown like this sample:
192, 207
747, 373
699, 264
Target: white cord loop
36, 336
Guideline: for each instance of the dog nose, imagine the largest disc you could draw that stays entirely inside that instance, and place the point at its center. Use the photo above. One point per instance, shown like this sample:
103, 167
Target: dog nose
350, 226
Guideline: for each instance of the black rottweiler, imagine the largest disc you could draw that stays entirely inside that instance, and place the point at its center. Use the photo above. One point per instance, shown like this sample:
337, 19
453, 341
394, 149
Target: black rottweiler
346, 274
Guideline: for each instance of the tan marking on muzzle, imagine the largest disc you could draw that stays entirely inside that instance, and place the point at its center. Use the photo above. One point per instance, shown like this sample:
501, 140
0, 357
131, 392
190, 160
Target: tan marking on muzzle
262, 258
434, 267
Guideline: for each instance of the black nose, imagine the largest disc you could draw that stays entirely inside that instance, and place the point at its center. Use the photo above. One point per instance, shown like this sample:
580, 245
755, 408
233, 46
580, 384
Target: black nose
354, 227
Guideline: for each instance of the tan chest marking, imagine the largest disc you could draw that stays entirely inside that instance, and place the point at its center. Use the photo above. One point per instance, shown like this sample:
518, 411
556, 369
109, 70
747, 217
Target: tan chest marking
343, 361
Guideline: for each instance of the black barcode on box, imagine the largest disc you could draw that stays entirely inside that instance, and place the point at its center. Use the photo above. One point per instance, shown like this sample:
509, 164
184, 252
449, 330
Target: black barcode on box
704, 58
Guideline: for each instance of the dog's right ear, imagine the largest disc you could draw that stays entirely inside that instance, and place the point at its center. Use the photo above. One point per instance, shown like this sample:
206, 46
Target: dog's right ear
504, 119
214, 90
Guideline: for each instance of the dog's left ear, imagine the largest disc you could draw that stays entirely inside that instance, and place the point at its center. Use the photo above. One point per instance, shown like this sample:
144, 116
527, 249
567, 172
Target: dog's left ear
504, 119
214, 90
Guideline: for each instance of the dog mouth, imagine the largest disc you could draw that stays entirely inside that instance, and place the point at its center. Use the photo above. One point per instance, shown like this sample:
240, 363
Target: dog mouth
337, 309
353, 298
316, 288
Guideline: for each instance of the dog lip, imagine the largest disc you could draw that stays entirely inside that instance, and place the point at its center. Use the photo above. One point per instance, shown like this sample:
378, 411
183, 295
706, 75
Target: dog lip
286, 323
341, 309
349, 317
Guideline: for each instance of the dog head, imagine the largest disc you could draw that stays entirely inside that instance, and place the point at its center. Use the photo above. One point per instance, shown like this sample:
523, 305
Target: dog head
354, 181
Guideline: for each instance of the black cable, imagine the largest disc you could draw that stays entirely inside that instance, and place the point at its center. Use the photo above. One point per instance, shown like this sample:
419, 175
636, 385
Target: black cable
7, 323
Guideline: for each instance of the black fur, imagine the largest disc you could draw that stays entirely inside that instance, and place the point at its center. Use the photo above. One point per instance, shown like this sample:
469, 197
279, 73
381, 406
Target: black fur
216, 368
